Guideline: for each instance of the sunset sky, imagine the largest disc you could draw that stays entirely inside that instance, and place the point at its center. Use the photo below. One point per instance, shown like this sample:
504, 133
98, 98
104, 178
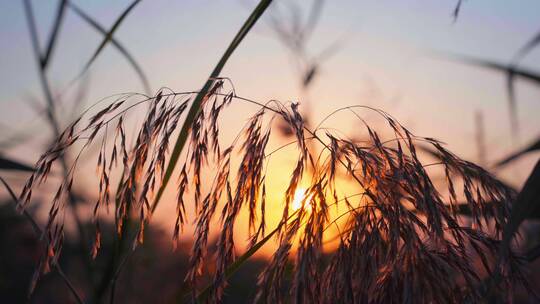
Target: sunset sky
390, 58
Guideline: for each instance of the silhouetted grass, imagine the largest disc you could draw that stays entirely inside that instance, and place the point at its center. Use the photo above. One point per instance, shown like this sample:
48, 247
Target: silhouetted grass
389, 253
402, 240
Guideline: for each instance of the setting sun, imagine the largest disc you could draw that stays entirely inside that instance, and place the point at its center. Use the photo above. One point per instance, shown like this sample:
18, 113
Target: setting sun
299, 197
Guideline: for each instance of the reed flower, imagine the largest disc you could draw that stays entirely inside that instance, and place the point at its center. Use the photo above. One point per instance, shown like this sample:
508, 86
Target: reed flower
402, 243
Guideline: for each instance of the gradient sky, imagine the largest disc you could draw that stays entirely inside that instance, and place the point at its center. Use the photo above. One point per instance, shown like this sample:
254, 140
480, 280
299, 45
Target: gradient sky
385, 61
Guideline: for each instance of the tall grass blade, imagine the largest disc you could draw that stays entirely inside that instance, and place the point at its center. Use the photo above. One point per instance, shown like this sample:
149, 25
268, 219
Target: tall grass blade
457, 9
531, 44
313, 18
532, 147
92, 22
510, 76
480, 138
109, 34
60, 13
526, 204
8, 164
34, 38
13, 140
198, 101
511, 72
511, 95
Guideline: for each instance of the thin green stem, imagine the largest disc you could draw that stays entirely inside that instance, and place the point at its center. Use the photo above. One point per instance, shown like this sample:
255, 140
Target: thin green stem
197, 104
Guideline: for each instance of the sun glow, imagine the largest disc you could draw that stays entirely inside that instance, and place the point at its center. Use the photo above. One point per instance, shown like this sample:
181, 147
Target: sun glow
299, 198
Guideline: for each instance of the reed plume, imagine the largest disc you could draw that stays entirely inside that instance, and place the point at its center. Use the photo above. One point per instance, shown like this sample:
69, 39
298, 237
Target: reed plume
402, 241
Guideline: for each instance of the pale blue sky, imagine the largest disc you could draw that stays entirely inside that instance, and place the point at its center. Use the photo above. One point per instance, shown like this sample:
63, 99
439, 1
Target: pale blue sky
384, 61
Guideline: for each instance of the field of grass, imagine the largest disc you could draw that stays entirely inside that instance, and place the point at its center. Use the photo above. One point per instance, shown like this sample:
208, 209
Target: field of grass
285, 209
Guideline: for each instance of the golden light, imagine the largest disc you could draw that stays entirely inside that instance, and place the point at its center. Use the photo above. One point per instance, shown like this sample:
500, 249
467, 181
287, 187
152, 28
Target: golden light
299, 196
